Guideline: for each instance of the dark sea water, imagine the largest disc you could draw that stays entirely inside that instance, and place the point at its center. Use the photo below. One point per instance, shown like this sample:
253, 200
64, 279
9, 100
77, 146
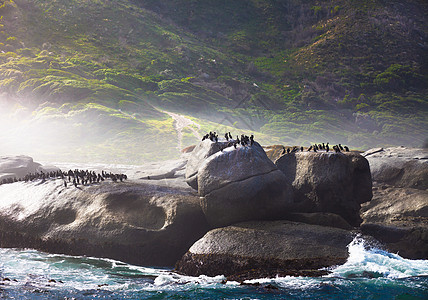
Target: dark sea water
368, 274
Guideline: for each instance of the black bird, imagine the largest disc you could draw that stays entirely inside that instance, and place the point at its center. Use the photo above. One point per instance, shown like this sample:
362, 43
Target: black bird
252, 139
230, 136
226, 135
327, 148
340, 146
301, 149
310, 148
283, 150
288, 150
346, 148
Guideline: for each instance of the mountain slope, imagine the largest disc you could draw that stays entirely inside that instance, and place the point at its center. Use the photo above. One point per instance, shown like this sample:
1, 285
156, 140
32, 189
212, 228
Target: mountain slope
92, 78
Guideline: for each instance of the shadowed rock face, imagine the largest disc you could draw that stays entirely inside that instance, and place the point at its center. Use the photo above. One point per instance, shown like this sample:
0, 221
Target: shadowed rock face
328, 182
269, 248
242, 184
136, 222
398, 212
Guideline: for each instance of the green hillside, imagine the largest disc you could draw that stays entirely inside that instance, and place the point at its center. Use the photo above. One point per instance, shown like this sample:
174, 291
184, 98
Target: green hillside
93, 80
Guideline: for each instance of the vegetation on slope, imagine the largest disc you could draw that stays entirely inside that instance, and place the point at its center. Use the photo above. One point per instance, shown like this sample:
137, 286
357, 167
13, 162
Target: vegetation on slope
293, 71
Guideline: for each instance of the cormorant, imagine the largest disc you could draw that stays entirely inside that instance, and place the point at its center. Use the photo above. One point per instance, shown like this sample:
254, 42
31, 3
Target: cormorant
283, 150
346, 148
288, 150
301, 148
252, 139
310, 148
226, 136
230, 136
340, 146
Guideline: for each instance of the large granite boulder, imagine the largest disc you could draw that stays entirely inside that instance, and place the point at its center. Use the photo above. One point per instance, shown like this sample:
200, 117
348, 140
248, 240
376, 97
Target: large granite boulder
141, 222
242, 184
398, 212
199, 154
328, 182
266, 249
399, 166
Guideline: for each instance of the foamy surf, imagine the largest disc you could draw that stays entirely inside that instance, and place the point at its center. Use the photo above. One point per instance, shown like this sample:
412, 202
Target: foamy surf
368, 271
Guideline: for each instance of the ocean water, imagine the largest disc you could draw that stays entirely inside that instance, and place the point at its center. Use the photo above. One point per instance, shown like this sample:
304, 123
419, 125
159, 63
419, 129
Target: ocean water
369, 273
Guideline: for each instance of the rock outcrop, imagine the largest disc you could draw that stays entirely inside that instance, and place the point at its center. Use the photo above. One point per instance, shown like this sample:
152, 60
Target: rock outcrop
399, 166
398, 212
199, 154
134, 221
322, 219
17, 166
266, 249
242, 184
328, 182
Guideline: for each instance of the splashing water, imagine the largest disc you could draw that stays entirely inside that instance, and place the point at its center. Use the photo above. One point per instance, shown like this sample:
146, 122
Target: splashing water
368, 273
366, 261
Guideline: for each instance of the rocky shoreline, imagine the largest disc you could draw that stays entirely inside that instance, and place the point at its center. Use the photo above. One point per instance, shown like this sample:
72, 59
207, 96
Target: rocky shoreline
229, 211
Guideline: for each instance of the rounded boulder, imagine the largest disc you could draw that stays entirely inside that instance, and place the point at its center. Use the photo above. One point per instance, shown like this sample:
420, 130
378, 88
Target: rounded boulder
242, 184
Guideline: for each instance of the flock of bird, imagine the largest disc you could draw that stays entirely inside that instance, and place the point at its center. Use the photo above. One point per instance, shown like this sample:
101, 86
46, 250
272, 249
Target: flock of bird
245, 141
77, 177
317, 147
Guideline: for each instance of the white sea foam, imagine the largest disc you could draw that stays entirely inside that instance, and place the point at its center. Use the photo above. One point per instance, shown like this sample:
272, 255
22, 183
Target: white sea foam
31, 268
366, 261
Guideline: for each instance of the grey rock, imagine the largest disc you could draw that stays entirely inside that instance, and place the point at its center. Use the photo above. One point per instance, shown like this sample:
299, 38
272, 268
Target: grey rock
242, 184
132, 221
328, 182
398, 212
17, 166
273, 247
398, 217
399, 166
322, 219
199, 154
